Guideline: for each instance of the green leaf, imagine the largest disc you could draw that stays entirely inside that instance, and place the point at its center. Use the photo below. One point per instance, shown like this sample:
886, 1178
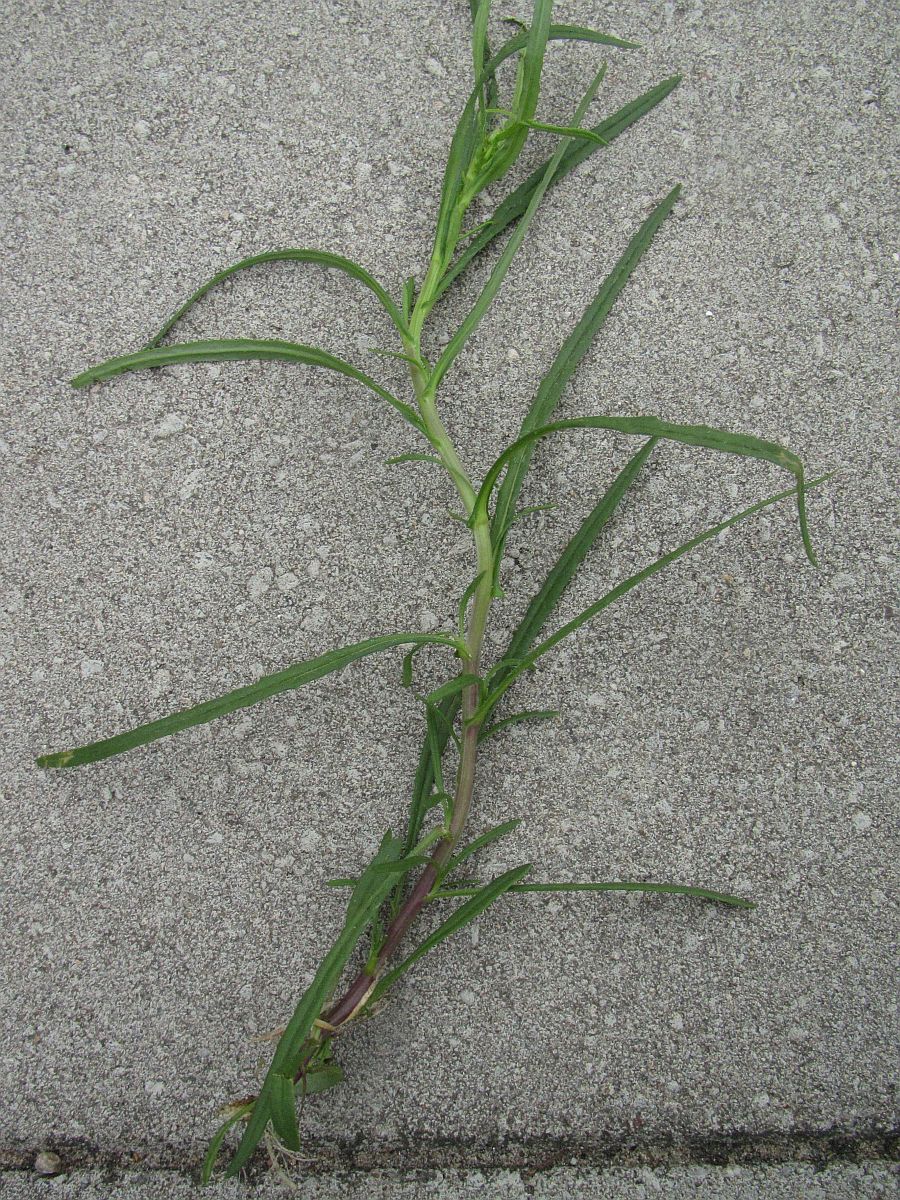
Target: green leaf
626, 586
425, 770
481, 55
674, 889
322, 1079
292, 677
467, 912
569, 131
436, 748
236, 350
466, 138
531, 714
569, 357
368, 895
575, 153
484, 839
406, 671
563, 570
472, 319
452, 687
215, 1145
464, 604
409, 295
721, 440
283, 1111
405, 458
321, 258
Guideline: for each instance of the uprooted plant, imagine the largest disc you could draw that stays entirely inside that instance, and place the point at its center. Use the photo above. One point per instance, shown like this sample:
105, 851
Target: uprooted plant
420, 868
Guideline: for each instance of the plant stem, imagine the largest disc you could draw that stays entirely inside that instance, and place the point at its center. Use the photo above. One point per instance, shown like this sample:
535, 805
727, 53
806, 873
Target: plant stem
355, 997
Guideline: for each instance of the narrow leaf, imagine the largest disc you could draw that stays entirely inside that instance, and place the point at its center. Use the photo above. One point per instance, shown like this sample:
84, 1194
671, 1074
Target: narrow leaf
464, 603
484, 839
467, 912
283, 1111
674, 889
237, 350
368, 895
406, 671
575, 153
321, 258
532, 714
570, 355
452, 687
425, 771
292, 677
472, 319
409, 294
626, 586
436, 749
570, 131
565, 567
405, 458
722, 440
215, 1145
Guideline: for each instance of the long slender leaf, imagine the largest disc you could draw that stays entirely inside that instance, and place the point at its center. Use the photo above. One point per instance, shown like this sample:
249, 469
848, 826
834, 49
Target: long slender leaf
626, 586
368, 896
321, 258
479, 843
570, 355
673, 889
215, 1145
722, 440
562, 571
452, 687
481, 54
240, 349
470, 322
467, 912
576, 152
531, 714
292, 677
283, 1111
425, 771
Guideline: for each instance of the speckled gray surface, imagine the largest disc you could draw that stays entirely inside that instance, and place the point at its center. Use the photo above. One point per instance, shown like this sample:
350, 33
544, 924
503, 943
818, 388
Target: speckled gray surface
169, 536
842, 1181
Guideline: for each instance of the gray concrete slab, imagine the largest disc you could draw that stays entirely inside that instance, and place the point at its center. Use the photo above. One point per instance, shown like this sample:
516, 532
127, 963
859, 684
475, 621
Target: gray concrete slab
788, 1181
170, 536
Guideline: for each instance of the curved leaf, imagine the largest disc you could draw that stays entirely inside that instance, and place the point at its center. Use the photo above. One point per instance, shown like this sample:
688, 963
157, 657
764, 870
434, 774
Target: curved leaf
292, 677
690, 435
320, 258
215, 1145
239, 349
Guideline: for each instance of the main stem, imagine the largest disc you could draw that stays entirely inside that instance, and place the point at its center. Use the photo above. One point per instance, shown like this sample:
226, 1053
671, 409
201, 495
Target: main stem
354, 999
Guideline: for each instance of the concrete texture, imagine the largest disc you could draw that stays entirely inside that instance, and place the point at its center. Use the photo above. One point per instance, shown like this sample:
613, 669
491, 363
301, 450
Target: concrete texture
169, 536
842, 1181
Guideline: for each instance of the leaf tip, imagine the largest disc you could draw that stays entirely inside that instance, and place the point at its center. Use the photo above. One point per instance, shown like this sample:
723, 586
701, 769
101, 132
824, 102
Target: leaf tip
61, 759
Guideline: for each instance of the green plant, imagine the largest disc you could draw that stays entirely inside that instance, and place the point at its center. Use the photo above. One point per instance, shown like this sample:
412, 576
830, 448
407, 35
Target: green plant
420, 868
